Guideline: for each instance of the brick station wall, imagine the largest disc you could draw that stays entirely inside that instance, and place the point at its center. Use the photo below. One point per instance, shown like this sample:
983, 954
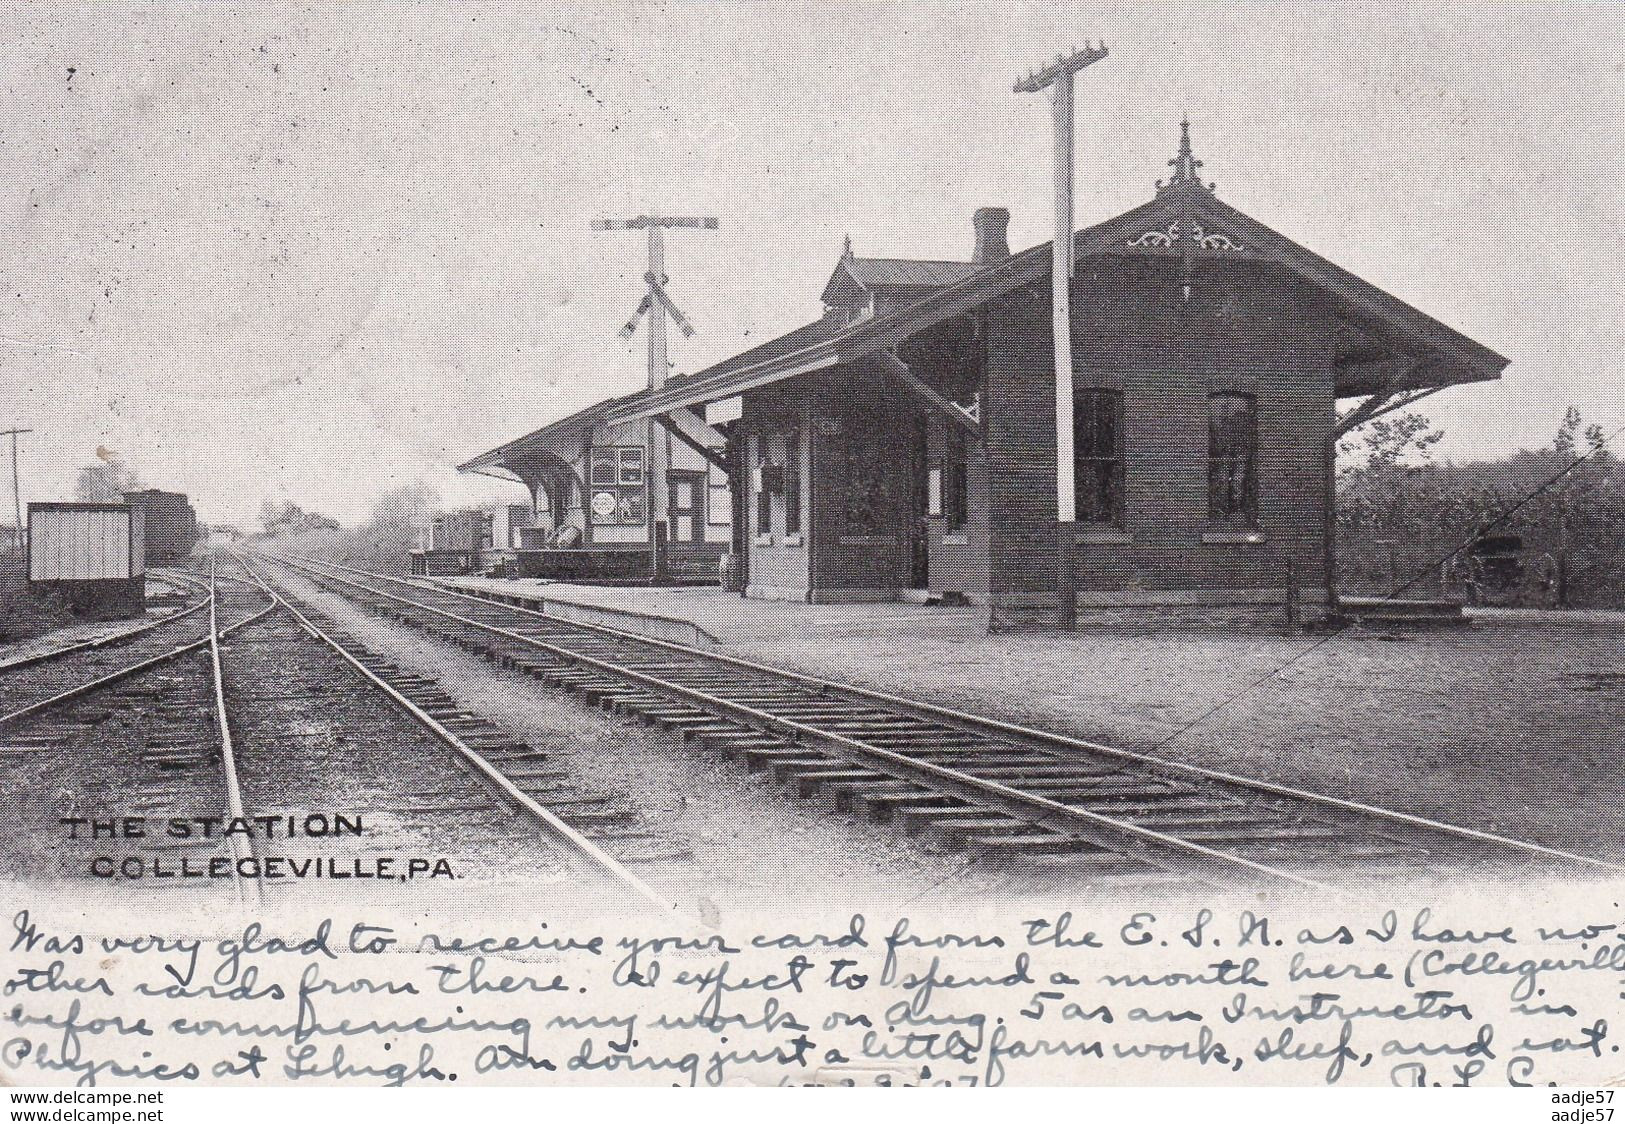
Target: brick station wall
1243, 329
860, 405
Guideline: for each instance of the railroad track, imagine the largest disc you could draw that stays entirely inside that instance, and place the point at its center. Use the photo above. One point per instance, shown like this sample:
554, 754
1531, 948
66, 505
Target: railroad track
45, 672
1002, 791
212, 727
498, 791
35, 684
164, 709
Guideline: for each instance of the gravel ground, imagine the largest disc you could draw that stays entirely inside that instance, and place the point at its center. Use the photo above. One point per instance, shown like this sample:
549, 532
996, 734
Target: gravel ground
1512, 725
753, 845
99, 758
163, 596
310, 738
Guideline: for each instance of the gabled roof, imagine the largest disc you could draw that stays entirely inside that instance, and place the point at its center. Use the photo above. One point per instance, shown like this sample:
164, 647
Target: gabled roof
1156, 228
888, 274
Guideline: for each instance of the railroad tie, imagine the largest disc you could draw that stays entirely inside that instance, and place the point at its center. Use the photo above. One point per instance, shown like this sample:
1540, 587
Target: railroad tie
709, 731
438, 809
1057, 770
1266, 834
620, 700
588, 819
580, 801
681, 720
885, 804
783, 767
939, 815
760, 757
810, 780
1017, 844
52, 737
536, 777
671, 853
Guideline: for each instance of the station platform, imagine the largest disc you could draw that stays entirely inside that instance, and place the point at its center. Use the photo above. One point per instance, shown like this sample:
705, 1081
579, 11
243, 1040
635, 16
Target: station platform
710, 617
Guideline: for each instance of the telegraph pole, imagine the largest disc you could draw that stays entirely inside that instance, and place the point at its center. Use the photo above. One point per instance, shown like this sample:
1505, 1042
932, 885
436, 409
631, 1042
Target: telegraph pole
1057, 77
16, 488
659, 305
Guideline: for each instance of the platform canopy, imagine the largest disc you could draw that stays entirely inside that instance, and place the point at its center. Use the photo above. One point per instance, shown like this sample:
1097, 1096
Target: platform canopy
1386, 346
550, 449
556, 447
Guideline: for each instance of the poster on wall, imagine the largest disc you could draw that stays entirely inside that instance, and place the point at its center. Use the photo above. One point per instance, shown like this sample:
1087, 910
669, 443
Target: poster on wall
618, 488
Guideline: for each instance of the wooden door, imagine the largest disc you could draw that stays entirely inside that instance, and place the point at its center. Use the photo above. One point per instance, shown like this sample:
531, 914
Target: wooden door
919, 514
685, 507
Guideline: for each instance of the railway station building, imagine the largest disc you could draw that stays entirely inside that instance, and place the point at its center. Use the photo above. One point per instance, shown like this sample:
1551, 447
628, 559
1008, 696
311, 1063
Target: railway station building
903, 444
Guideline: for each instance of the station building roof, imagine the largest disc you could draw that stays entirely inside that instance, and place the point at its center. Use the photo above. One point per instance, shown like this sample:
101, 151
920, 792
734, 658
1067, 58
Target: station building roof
1391, 346
553, 445
557, 445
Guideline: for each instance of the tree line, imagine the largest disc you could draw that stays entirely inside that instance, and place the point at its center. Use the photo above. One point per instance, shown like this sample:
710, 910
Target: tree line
1558, 510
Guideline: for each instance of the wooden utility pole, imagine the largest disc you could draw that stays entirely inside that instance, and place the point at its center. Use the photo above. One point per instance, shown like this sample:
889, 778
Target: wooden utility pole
1057, 77
659, 303
16, 487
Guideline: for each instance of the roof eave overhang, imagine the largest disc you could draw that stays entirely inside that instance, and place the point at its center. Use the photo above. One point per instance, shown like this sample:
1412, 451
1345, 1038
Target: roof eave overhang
495, 471
1466, 359
555, 439
1437, 376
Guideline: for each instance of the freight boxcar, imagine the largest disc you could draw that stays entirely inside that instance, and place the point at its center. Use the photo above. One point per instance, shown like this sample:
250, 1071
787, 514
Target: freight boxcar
172, 528
92, 555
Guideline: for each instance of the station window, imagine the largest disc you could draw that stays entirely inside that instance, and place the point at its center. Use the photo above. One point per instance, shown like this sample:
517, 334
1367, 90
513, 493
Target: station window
1097, 436
955, 488
1232, 460
719, 504
792, 482
764, 498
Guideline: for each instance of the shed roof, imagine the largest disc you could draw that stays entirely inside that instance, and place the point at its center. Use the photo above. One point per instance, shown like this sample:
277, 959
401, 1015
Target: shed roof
557, 444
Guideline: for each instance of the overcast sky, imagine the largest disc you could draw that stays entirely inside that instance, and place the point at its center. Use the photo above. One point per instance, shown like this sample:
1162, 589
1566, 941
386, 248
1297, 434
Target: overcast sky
316, 253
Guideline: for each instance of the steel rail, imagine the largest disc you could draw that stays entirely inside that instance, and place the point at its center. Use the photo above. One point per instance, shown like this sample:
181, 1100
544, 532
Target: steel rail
1045, 738
82, 689
248, 889
115, 640
752, 715
605, 862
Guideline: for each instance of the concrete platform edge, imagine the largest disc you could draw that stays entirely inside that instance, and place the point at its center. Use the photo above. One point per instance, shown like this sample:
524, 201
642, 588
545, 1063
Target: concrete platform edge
656, 626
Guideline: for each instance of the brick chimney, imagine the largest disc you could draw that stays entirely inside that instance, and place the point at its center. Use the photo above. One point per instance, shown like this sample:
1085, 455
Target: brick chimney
992, 235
